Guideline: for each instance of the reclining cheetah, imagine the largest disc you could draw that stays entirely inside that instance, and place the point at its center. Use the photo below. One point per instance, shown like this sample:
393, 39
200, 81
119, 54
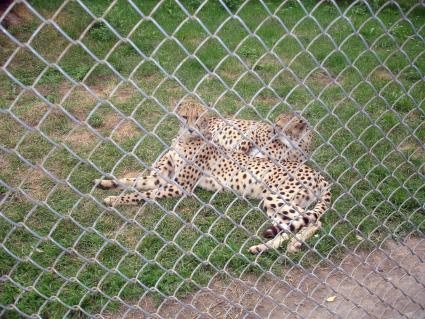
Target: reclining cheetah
287, 140
285, 190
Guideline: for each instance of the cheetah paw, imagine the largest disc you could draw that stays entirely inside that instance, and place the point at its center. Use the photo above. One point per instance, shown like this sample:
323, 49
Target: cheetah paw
110, 201
105, 183
257, 249
294, 247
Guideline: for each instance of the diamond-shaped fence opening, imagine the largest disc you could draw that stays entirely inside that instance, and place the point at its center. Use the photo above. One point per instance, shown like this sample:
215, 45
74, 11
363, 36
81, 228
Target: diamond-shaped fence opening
91, 90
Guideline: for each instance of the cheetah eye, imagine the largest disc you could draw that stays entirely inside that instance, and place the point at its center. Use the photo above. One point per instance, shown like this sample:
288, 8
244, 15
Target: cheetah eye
184, 117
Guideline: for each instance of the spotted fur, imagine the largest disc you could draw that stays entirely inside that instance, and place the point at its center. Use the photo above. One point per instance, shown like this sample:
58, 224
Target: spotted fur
286, 191
288, 139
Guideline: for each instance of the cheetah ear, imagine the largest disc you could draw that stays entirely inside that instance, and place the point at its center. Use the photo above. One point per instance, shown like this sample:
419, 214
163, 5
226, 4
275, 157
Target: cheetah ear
302, 126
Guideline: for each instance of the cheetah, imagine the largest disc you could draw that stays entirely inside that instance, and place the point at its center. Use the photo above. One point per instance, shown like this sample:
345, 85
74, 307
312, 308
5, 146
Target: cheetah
288, 139
285, 191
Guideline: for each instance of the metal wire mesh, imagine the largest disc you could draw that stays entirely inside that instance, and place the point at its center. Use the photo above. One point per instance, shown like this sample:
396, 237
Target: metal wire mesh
354, 70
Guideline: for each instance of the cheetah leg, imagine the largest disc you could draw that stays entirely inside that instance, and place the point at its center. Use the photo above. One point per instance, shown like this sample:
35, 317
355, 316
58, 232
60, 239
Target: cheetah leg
281, 216
274, 243
280, 213
143, 183
293, 246
306, 233
210, 184
168, 191
187, 179
164, 166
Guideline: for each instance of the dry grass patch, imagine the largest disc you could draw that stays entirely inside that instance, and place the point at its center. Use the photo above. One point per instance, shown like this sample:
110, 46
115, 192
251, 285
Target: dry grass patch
122, 128
229, 75
414, 149
382, 74
111, 121
130, 235
81, 139
322, 78
10, 131
79, 102
267, 99
23, 12
123, 94
174, 89
11, 169
36, 184
30, 113
104, 86
56, 89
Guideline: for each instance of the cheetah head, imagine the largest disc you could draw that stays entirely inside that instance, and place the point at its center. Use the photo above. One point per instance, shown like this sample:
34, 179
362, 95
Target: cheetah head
194, 119
291, 125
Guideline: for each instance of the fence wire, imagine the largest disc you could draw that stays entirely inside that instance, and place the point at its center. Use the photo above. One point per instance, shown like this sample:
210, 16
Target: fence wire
354, 70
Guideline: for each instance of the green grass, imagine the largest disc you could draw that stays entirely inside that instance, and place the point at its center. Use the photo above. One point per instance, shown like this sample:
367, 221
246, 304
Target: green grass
369, 143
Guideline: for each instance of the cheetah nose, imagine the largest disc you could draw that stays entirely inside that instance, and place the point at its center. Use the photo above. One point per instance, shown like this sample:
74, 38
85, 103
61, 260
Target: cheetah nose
191, 130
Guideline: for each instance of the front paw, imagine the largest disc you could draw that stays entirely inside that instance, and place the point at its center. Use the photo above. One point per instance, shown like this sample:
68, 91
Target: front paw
257, 249
294, 246
110, 201
105, 183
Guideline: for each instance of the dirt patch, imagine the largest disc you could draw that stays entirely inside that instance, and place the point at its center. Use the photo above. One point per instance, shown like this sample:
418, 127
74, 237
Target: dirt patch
23, 12
230, 75
382, 74
110, 121
123, 94
81, 138
174, 89
268, 100
415, 150
384, 283
322, 78
124, 129
31, 114
104, 87
59, 89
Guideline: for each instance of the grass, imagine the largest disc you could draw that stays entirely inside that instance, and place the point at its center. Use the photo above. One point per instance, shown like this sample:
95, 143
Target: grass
364, 99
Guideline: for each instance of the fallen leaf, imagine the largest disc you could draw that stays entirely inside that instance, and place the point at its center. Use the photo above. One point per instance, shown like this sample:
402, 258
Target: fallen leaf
330, 299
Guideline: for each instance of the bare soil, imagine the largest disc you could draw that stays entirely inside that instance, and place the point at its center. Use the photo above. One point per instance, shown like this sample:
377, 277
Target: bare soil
388, 282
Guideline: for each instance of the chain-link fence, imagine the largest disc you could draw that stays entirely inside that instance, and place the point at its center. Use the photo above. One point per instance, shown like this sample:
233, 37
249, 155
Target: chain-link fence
88, 90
